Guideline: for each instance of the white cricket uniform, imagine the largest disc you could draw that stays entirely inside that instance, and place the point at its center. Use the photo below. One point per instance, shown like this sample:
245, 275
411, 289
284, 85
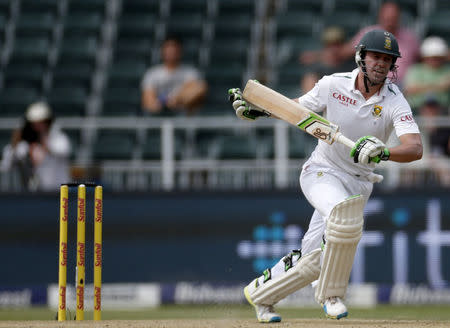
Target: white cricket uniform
330, 174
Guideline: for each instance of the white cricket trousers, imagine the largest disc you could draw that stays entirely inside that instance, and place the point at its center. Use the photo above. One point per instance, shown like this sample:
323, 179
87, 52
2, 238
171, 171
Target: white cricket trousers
324, 188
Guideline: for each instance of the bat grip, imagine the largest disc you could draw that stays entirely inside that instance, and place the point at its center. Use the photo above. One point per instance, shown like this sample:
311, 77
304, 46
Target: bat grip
344, 140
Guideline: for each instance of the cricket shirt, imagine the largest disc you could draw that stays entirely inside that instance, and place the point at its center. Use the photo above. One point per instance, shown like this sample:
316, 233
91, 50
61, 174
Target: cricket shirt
342, 104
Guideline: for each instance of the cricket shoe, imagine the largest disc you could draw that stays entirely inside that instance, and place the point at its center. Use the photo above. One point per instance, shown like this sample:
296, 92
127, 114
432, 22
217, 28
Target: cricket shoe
264, 313
334, 308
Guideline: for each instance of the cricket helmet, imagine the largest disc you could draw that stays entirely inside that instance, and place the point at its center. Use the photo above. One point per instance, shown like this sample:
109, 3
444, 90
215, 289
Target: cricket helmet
377, 41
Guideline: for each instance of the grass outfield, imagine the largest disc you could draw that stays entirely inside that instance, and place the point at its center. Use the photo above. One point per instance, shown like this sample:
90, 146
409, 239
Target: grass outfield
383, 312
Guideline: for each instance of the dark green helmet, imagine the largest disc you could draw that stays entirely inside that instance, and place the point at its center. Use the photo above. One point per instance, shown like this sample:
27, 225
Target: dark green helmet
377, 41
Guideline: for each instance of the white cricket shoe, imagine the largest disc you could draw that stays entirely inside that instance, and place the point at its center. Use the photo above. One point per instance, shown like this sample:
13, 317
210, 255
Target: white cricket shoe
264, 313
334, 308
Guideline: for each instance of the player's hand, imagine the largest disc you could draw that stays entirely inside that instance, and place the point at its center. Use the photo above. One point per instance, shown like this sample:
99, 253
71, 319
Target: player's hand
243, 110
369, 149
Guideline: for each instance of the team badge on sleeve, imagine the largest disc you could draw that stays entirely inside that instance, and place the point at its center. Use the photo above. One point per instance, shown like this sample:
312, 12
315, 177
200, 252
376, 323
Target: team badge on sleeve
376, 112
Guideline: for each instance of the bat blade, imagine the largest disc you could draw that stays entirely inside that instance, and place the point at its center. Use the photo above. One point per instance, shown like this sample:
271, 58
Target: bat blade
292, 112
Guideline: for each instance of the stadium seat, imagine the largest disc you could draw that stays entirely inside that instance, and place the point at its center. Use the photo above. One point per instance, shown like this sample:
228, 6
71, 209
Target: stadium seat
342, 6
137, 25
350, 21
68, 101
237, 147
185, 27
80, 48
189, 7
300, 144
114, 144
23, 74
5, 7
141, 6
35, 24
438, 24
31, 49
87, 6
82, 24
73, 73
5, 139
122, 101
14, 101
312, 7
33, 6
75, 140
126, 73
151, 150
233, 26
237, 6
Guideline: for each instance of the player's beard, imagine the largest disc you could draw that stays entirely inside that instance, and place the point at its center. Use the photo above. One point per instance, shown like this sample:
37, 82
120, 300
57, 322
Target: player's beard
377, 75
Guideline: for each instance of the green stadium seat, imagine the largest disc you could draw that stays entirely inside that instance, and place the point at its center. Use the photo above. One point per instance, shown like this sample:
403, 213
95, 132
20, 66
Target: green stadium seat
35, 24
31, 49
189, 7
33, 6
350, 21
185, 27
5, 139
80, 48
5, 7
128, 49
14, 101
312, 7
238, 6
73, 73
83, 24
75, 140
137, 25
68, 101
217, 102
342, 6
237, 147
113, 144
237, 26
300, 144
87, 6
293, 25
438, 24
151, 150
141, 6
23, 74
122, 101
126, 73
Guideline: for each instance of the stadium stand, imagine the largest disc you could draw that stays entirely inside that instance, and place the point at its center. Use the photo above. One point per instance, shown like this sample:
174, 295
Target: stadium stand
87, 58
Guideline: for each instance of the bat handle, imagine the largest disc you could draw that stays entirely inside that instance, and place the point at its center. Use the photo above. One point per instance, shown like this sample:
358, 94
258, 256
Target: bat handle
344, 140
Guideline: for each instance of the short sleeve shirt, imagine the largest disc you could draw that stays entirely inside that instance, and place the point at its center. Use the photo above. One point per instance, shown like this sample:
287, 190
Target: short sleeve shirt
386, 111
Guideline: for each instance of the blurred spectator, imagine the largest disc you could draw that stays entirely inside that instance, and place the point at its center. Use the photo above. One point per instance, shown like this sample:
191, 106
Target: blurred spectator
171, 86
431, 77
327, 61
389, 20
439, 137
438, 140
39, 150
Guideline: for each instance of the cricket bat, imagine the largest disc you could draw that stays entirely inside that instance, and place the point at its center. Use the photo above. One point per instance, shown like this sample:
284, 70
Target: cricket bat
292, 112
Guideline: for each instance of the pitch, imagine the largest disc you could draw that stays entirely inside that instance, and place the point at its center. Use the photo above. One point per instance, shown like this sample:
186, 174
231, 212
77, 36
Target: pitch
236, 316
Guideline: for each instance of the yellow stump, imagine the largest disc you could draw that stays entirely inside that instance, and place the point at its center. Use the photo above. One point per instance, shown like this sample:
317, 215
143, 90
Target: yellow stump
63, 219
98, 219
81, 246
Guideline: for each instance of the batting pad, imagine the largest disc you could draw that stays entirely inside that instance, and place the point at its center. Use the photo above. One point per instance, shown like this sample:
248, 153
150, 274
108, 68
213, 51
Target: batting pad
343, 232
305, 271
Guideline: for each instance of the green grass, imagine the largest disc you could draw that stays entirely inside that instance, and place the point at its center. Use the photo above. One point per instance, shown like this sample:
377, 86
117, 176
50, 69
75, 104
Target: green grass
383, 312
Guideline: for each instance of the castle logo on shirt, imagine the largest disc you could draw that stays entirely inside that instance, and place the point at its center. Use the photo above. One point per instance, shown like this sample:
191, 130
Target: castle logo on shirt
376, 111
344, 100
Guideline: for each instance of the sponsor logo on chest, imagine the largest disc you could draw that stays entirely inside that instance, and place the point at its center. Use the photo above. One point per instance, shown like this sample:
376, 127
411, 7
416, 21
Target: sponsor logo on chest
344, 100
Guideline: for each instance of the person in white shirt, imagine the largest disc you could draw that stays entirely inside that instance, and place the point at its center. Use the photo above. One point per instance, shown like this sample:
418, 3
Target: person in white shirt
367, 107
40, 150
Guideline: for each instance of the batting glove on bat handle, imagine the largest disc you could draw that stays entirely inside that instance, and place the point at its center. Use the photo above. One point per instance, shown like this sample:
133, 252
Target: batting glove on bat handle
369, 149
243, 110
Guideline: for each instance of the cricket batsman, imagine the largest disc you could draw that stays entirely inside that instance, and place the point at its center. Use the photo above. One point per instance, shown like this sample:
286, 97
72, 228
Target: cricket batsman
367, 106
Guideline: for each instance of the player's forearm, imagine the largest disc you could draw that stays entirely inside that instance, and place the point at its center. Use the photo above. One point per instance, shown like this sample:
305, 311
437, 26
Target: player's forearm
406, 153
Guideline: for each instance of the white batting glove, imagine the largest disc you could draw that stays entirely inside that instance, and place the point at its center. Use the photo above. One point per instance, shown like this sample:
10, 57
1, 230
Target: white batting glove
368, 150
243, 110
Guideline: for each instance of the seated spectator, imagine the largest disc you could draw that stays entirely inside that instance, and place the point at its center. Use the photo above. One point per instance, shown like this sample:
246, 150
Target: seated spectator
328, 61
431, 77
389, 20
438, 139
172, 87
39, 150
